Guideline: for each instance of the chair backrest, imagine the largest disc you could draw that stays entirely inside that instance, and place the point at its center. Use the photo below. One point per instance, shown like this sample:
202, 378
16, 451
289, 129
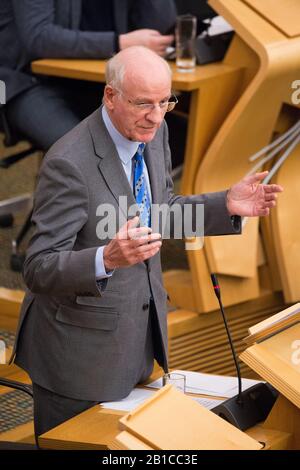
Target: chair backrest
10, 415
10, 137
16, 385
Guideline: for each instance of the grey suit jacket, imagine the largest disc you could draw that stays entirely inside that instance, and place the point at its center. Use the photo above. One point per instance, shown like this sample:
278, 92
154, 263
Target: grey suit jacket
75, 338
32, 29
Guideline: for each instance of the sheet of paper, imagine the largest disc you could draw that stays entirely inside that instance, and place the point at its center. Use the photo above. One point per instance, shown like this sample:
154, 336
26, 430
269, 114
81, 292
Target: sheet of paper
207, 402
218, 25
207, 384
135, 398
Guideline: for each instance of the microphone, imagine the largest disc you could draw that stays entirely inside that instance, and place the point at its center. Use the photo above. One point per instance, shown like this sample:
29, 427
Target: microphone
250, 406
237, 366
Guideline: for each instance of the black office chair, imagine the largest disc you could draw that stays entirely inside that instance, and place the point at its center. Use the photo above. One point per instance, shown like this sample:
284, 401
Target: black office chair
19, 203
4, 382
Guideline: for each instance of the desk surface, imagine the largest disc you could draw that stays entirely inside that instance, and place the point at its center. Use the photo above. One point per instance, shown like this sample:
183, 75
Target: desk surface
94, 70
97, 427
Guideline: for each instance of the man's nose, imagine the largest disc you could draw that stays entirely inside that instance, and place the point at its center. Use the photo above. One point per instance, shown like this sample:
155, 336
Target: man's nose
155, 115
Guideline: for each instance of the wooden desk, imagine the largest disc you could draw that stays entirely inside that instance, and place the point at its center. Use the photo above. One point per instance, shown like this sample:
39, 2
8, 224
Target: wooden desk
94, 70
92, 429
95, 428
202, 124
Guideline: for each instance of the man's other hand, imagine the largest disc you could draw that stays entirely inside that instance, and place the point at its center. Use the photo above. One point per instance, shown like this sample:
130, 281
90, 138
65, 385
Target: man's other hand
250, 198
146, 37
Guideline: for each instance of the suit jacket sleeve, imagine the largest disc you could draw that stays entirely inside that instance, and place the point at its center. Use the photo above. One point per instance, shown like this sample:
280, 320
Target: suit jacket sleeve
41, 37
217, 220
52, 266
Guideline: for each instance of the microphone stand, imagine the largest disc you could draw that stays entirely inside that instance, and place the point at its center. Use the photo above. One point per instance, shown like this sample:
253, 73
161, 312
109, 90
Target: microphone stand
250, 406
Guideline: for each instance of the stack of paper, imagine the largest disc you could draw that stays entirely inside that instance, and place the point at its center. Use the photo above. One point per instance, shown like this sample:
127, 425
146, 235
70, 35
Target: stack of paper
140, 395
135, 398
207, 384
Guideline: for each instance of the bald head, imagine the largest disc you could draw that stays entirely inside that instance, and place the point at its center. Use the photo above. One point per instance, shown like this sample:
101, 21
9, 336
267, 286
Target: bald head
137, 92
136, 63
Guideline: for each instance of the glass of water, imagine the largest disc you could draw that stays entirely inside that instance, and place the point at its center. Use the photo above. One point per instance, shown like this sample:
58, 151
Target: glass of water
185, 34
175, 379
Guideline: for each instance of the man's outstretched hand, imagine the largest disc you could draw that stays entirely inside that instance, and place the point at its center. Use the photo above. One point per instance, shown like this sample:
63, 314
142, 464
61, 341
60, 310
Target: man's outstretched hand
250, 198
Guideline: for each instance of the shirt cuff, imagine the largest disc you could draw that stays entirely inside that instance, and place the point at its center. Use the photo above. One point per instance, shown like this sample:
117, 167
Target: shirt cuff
99, 265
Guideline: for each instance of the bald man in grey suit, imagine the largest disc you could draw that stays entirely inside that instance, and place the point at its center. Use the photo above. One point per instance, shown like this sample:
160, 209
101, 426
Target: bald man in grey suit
94, 316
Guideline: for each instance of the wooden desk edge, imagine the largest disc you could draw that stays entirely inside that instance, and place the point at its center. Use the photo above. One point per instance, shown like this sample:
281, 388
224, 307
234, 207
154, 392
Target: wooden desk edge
94, 70
271, 437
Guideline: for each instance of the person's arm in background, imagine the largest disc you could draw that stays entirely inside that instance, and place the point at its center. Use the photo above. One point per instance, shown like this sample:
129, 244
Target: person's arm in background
156, 14
41, 37
160, 15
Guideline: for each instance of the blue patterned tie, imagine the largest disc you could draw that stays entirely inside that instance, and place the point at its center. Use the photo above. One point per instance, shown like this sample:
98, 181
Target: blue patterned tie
140, 189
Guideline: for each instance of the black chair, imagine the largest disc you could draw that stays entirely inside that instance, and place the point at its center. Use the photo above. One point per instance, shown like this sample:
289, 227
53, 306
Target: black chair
4, 445
16, 204
4, 382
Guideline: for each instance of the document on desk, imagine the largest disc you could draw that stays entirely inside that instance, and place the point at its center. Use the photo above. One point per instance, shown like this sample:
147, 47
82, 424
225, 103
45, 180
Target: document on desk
135, 398
207, 384
208, 403
139, 395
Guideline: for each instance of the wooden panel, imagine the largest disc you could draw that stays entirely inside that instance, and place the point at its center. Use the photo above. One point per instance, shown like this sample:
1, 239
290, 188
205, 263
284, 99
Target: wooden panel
100, 427
283, 14
178, 284
10, 304
273, 439
199, 342
286, 418
286, 227
247, 23
248, 127
23, 433
195, 292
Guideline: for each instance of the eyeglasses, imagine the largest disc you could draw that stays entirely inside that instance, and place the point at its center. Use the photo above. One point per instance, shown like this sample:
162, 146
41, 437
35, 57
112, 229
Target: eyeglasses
166, 106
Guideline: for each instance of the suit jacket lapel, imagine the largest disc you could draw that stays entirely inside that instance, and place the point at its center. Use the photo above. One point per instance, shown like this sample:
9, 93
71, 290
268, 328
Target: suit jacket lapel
109, 165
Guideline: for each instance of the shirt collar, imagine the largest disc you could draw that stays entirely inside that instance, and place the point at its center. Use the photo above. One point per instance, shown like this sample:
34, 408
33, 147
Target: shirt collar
126, 148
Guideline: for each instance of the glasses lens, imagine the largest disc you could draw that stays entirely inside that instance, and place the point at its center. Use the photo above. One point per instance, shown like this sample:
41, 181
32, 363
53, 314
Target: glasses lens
172, 103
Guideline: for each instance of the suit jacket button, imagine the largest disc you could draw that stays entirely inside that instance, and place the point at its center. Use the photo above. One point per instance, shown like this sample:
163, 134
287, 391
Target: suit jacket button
145, 306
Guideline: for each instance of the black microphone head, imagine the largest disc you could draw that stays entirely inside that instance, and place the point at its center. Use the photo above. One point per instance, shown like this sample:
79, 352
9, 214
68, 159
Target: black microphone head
215, 283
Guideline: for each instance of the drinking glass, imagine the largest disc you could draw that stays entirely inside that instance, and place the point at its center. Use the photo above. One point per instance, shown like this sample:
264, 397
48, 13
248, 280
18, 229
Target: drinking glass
185, 35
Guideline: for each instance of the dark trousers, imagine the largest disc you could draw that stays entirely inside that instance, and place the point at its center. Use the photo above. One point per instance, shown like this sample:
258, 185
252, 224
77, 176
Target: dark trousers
51, 108
51, 409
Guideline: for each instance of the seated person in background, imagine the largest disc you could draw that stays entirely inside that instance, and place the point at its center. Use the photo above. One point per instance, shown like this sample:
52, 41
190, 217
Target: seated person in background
43, 109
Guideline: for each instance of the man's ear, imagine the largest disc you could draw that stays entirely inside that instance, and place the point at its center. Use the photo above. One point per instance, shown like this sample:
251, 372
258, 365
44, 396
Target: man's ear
109, 97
